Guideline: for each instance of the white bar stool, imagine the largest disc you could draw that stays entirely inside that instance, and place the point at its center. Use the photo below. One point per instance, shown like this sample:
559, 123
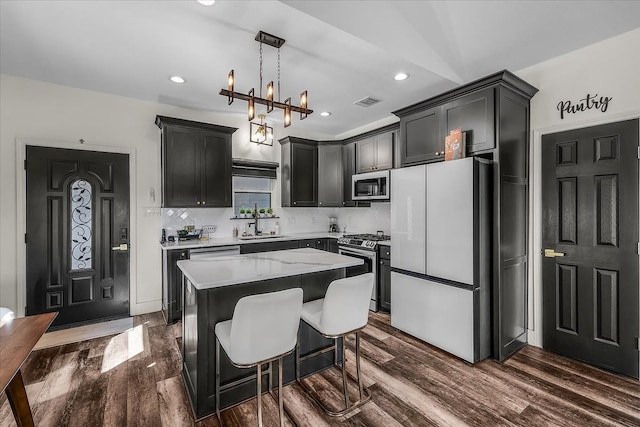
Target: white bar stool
343, 310
264, 328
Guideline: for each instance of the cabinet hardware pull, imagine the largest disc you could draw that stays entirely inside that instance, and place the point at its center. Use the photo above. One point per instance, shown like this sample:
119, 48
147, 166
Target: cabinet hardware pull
204, 203
550, 253
121, 247
198, 203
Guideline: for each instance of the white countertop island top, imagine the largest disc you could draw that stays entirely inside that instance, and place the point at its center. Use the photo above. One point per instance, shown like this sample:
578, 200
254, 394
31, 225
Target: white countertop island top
237, 269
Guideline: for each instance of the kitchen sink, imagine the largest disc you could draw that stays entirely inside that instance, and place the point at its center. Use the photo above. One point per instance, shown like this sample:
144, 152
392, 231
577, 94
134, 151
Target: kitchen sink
260, 237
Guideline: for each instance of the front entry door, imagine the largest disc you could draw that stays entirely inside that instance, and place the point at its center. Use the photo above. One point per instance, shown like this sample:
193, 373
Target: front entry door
77, 238
590, 214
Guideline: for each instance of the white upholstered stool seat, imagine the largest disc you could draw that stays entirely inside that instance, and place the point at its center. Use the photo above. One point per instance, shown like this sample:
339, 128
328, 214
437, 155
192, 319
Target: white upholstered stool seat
343, 310
263, 328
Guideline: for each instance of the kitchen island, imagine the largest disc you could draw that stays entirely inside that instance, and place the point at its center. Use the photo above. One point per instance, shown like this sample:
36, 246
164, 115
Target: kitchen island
211, 289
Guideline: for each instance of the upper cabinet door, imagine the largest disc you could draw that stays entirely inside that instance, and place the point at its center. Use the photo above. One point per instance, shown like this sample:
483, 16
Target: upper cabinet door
215, 170
181, 167
474, 114
421, 139
348, 168
304, 175
384, 151
375, 153
330, 175
365, 155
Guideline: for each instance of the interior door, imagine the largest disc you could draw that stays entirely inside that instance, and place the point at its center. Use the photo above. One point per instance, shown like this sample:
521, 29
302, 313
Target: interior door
77, 255
590, 236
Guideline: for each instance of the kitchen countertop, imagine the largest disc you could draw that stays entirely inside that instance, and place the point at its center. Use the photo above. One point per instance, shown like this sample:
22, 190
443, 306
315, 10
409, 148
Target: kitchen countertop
228, 241
237, 269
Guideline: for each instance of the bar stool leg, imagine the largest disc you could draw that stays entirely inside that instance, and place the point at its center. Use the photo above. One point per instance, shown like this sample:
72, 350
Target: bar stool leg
298, 357
259, 394
344, 376
358, 364
218, 380
280, 399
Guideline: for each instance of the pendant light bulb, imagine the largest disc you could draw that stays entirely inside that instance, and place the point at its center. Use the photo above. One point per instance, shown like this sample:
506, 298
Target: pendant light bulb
252, 111
270, 97
230, 82
303, 104
287, 112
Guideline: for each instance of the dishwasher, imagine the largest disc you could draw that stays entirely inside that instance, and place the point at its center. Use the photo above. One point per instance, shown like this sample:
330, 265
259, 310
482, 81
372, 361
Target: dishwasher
202, 254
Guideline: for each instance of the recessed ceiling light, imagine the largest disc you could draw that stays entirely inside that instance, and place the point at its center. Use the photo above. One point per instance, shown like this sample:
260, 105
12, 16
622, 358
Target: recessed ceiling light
401, 76
207, 2
325, 113
177, 79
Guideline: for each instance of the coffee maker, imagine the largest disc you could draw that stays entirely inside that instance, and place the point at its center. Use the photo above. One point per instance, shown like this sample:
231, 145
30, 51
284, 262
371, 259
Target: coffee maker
333, 224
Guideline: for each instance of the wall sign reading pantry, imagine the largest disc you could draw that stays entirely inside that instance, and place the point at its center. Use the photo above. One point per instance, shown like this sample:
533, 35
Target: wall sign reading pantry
586, 103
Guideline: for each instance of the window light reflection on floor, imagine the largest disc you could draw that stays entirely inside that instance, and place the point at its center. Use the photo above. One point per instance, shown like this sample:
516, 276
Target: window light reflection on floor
123, 347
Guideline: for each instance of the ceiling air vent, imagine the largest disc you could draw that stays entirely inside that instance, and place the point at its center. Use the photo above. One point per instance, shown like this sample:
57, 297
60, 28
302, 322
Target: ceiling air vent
367, 102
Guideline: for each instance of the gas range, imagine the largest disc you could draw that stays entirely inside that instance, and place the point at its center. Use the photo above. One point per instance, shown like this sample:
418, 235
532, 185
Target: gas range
363, 241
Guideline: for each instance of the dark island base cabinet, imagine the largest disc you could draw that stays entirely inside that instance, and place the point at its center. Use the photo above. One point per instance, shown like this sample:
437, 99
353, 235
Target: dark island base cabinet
204, 308
172, 278
172, 284
384, 278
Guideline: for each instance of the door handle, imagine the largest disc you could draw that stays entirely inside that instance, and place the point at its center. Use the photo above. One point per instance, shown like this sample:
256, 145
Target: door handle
122, 247
550, 253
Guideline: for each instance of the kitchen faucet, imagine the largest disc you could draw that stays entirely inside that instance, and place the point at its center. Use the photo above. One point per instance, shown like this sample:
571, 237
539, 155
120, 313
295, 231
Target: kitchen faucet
256, 230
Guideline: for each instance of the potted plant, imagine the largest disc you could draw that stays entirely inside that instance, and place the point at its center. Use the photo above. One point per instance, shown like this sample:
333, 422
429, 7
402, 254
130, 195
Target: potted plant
262, 212
270, 211
243, 213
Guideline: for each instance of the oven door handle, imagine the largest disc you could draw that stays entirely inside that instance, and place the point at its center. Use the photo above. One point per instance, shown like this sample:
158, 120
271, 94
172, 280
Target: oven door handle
355, 252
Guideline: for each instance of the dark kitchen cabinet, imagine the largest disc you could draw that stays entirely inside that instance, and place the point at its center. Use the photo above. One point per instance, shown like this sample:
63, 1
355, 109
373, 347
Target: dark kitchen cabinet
474, 114
332, 245
348, 169
375, 153
330, 175
313, 243
172, 284
384, 278
494, 112
421, 137
299, 172
196, 163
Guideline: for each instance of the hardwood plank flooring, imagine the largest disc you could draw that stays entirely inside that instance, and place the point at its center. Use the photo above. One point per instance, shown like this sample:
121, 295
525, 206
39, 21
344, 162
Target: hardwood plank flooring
133, 379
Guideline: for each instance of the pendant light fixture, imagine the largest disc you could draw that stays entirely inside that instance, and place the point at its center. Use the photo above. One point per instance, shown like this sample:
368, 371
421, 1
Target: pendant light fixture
261, 133
269, 101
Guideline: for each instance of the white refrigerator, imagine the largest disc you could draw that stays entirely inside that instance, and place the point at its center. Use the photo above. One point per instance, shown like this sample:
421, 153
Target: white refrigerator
441, 258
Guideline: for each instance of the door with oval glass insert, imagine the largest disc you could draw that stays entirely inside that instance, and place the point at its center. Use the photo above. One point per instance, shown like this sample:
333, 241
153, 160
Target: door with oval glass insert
77, 253
590, 243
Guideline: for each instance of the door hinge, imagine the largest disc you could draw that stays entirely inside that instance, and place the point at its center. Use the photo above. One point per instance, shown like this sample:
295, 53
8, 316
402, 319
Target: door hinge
638, 152
25, 237
25, 164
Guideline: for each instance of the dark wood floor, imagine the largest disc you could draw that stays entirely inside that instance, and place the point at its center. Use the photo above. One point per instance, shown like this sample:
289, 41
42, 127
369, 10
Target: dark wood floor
134, 379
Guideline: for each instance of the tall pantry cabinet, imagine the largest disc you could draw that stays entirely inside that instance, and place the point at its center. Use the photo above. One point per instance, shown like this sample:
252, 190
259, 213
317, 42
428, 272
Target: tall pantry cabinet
493, 112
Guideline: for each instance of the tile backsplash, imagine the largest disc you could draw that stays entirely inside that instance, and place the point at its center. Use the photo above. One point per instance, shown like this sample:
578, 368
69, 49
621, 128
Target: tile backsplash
291, 220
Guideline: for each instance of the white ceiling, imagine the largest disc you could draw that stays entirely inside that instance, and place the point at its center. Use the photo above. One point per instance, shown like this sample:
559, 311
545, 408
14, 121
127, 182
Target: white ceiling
340, 51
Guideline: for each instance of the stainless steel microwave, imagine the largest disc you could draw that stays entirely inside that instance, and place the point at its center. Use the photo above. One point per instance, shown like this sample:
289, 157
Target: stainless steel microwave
371, 186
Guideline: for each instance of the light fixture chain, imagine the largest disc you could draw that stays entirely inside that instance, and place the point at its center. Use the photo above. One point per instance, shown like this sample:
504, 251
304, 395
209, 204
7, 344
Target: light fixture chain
278, 74
260, 69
